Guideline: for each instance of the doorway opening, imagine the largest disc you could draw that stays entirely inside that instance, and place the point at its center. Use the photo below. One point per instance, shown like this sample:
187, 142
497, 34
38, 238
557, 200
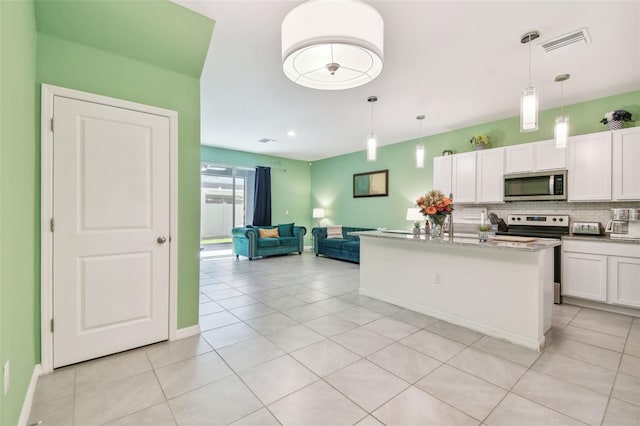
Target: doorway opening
226, 202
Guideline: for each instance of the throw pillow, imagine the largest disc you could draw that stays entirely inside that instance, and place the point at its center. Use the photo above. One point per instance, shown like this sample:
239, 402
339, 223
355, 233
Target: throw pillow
268, 233
286, 230
334, 231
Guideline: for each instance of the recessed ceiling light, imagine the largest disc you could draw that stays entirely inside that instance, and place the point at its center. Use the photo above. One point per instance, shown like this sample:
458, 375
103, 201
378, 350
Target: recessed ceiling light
266, 140
291, 133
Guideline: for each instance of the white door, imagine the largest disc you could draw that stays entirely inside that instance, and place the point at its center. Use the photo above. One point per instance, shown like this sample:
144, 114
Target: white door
111, 214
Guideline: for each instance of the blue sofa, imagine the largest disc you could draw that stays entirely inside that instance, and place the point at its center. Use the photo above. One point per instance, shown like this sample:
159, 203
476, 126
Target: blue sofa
247, 241
345, 248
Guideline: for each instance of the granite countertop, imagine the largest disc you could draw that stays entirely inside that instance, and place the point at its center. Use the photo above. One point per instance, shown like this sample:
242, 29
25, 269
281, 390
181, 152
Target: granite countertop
534, 246
601, 238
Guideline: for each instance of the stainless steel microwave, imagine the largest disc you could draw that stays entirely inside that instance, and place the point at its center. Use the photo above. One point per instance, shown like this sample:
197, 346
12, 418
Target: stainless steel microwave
536, 186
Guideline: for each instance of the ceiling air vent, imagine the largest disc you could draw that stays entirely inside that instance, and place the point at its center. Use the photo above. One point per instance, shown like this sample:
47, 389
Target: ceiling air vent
266, 140
578, 36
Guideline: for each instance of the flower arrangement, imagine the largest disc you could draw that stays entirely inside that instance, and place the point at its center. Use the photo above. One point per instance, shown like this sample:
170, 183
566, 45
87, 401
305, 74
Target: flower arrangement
484, 228
435, 202
617, 115
480, 139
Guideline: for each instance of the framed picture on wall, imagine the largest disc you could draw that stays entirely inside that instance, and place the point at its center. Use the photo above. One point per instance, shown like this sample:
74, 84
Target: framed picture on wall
371, 184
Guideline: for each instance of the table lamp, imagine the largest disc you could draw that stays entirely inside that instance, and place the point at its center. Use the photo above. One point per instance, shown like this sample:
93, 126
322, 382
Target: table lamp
318, 214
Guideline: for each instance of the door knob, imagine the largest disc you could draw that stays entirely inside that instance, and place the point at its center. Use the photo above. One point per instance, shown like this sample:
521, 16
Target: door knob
162, 239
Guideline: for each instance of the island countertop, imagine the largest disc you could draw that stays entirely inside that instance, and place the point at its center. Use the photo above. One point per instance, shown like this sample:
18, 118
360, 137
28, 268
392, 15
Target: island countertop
534, 246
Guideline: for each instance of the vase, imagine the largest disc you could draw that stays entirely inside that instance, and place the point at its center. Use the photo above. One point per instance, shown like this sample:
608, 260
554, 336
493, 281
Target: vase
480, 146
615, 124
436, 221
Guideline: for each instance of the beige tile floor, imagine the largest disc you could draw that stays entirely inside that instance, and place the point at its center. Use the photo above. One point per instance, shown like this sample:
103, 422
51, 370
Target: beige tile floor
288, 340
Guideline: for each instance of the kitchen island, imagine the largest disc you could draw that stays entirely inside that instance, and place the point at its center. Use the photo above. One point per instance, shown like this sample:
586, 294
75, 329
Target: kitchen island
502, 289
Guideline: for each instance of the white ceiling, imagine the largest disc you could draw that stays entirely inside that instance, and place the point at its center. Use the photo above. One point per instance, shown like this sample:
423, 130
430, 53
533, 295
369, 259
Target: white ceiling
458, 62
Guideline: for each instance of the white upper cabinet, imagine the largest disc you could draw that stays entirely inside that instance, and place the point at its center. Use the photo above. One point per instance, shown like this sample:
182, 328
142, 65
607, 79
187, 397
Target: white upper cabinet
626, 164
533, 157
589, 167
489, 175
442, 174
519, 158
463, 171
548, 157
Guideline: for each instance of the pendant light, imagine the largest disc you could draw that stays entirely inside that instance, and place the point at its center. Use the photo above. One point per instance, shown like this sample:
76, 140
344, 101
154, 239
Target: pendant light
561, 128
372, 143
420, 147
529, 100
332, 44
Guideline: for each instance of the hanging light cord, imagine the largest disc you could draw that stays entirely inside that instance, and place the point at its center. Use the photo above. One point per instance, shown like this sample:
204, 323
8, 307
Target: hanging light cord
561, 98
529, 43
371, 117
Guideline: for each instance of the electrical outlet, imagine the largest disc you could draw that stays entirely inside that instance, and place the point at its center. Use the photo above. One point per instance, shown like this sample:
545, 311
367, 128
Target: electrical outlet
286, 212
437, 279
5, 374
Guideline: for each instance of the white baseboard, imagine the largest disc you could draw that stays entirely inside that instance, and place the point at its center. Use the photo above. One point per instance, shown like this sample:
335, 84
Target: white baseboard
601, 306
462, 322
183, 333
28, 398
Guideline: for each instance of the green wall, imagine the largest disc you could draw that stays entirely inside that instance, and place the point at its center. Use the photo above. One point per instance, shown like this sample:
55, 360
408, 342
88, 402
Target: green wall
290, 182
81, 67
148, 51
331, 179
19, 229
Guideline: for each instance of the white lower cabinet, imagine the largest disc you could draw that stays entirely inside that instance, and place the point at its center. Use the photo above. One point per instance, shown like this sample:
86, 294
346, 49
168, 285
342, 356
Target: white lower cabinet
607, 272
584, 276
624, 281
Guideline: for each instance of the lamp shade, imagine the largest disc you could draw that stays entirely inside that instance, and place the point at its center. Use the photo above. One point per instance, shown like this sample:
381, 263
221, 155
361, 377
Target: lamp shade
372, 147
561, 131
529, 110
420, 156
414, 215
318, 213
332, 44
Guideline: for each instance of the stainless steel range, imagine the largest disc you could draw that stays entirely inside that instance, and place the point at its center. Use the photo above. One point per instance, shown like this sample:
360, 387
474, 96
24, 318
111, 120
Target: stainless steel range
542, 226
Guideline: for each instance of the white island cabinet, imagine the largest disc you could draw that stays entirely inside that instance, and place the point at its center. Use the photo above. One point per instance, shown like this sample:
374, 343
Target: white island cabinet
504, 290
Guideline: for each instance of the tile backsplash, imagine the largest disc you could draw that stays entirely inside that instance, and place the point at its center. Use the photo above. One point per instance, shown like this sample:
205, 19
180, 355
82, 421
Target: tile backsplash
581, 212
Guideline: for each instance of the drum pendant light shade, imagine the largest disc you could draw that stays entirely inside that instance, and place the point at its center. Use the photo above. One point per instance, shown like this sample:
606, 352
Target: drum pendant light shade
332, 44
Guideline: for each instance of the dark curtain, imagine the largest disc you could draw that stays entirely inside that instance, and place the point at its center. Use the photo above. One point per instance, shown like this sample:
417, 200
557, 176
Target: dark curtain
262, 197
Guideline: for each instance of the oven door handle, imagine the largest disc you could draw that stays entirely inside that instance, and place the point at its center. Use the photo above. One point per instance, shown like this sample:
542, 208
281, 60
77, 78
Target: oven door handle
551, 192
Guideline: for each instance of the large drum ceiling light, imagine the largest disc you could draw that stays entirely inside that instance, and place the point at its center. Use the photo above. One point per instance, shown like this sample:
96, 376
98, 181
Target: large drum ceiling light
332, 44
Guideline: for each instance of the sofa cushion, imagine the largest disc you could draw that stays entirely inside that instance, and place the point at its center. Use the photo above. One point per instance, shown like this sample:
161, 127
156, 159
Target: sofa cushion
334, 232
285, 230
268, 233
268, 242
334, 243
289, 241
353, 246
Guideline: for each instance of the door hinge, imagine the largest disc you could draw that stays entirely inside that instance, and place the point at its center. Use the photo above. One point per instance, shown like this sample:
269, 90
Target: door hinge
52, 225
52, 325
52, 124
